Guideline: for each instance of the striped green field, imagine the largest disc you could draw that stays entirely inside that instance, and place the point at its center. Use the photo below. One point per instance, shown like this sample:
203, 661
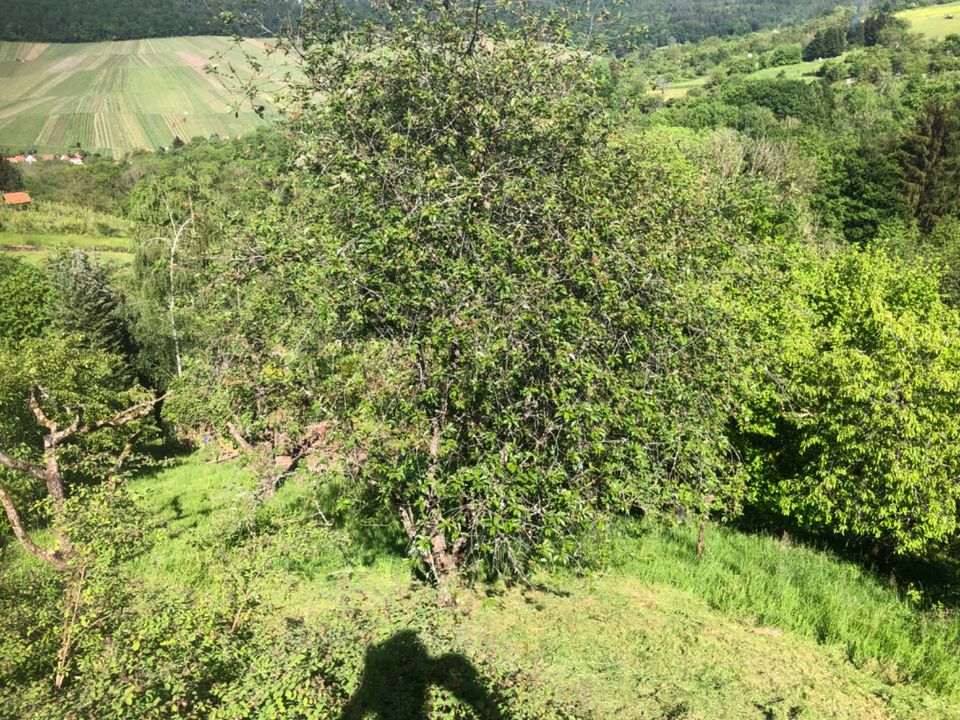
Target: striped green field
934, 22
115, 97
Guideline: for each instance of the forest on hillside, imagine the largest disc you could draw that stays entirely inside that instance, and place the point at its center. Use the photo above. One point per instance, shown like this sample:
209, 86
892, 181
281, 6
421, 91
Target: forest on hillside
647, 21
74, 21
487, 306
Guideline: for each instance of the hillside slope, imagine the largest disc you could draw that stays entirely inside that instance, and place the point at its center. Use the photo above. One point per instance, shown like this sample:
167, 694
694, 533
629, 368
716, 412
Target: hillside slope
94, 20
116, 97
622, 642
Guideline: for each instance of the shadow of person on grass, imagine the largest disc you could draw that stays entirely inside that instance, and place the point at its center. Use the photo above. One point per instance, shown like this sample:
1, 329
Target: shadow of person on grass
397, 676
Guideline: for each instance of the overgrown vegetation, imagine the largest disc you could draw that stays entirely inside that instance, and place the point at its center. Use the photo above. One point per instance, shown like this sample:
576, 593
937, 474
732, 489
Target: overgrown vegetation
488, 298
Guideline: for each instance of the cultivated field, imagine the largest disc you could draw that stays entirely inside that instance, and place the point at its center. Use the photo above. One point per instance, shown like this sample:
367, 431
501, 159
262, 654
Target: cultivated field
934, 21
114, 97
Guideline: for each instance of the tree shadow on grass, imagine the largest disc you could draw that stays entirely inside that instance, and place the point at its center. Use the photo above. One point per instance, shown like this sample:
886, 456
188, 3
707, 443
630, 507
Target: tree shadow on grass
398, 674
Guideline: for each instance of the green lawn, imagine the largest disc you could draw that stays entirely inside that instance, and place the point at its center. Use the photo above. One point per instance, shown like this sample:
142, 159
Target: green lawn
114, 97
760, 628
797, 71
932, 21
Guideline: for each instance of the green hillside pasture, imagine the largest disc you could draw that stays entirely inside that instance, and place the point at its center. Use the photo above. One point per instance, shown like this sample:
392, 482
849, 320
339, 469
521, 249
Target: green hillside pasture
681, 87
749, 631
797, 71
54, 218
932, 22
37, 247
115, 97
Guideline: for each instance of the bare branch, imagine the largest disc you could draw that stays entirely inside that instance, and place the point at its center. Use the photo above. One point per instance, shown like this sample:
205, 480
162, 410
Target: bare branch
33, 400
135, 412
12, 463
52, 557
56, 434
239, 438
125, 452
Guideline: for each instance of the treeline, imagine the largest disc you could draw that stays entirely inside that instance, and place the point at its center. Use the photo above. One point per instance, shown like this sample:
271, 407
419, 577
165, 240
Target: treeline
657, 22
92, 21
692, 21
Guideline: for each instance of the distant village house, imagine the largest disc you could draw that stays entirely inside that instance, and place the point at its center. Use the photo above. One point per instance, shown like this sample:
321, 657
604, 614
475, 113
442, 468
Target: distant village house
19, 200
31, 158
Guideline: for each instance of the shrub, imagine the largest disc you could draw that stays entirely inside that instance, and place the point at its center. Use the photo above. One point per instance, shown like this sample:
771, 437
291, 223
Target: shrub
25, 296
520, 322
865, 440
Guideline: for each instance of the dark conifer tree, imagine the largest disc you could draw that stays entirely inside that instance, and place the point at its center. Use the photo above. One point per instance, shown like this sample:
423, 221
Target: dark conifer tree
11, 179
826, 44
930, 162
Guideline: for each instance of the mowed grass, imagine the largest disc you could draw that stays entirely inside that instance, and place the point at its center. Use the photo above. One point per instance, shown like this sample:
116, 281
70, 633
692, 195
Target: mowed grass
625, 648
37, 247
798, 71
680, 88
759, 628
933, 21
117, 97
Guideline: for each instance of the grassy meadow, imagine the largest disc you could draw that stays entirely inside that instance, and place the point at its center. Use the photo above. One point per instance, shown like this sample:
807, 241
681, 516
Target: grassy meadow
37, 247
759, 628
797, 71
933, 21
117, 97
50, 227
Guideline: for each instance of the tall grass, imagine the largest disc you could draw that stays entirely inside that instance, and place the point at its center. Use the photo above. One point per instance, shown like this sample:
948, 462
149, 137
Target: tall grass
805, 591
53, 218
53, 243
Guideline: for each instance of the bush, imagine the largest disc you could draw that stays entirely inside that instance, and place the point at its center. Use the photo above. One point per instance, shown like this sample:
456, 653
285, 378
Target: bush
866, 440
25, 296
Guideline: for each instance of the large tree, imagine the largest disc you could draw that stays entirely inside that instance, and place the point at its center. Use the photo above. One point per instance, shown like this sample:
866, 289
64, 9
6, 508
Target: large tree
11, 179
512, 316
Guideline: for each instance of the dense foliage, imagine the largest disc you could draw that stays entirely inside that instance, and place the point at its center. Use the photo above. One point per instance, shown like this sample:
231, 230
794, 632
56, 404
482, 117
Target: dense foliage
865, 439
483, 290
26, 294
11, 179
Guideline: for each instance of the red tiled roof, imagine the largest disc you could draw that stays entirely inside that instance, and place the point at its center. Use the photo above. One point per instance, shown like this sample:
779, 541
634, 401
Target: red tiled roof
16, 198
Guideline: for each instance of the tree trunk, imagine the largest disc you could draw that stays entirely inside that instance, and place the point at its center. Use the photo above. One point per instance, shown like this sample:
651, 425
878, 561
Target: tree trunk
53, 557
50, 474
54, 483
